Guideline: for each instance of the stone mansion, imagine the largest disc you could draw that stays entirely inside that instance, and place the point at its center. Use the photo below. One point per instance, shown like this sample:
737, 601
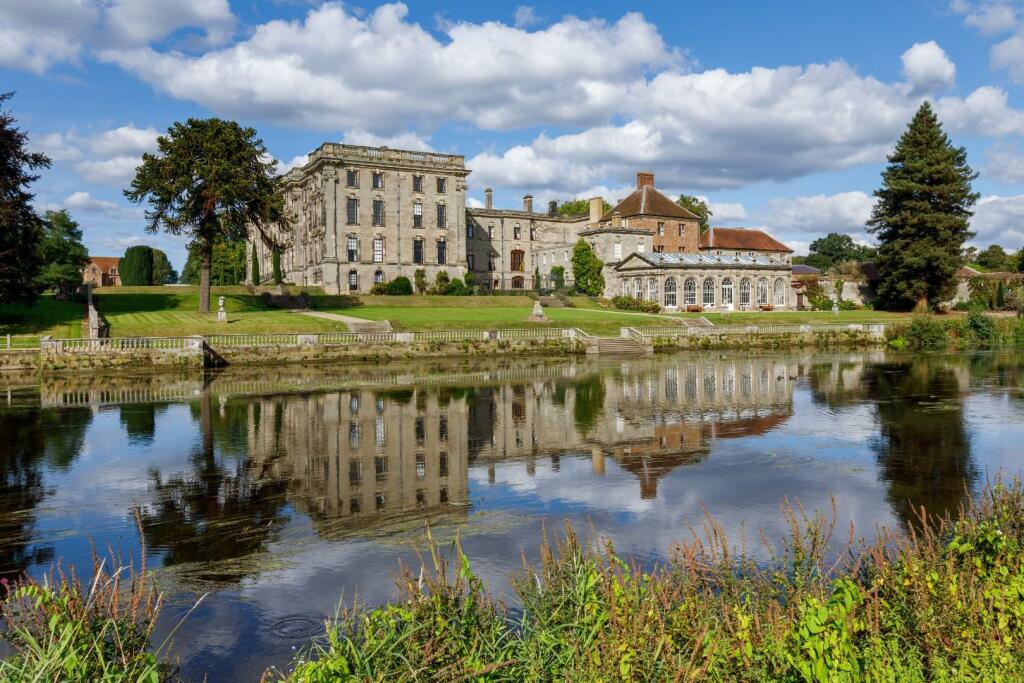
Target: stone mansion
364, 215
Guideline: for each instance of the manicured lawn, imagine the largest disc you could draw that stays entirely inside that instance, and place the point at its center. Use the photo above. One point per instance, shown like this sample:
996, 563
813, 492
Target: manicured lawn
173, 311
799, 317
26, 324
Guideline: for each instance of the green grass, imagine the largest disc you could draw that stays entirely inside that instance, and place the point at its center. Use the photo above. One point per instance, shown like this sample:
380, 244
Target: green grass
49, 316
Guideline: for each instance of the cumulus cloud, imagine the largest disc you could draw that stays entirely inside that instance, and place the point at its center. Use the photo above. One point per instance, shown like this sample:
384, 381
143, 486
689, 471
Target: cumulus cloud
1005, 164
999, 220
846, 212
526, 16
84, 202
1009, 55
927, 67
109, 157
988, 18
406, 140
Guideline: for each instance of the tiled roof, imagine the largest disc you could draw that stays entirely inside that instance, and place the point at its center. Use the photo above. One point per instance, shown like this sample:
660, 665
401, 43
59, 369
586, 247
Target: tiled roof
105, 263
804, 269
677, 260
646, 201
740, 239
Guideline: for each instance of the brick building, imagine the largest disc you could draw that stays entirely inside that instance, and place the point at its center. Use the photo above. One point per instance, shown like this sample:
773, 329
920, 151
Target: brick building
102, 271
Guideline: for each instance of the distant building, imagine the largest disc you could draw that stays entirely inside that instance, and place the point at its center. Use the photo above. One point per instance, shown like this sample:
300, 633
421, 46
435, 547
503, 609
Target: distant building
804, 269
102, 271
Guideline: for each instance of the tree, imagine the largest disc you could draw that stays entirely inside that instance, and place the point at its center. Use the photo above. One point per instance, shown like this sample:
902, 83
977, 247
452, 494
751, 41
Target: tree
227, 264
698, 207
275, 264
558, 277
586, 269
209, 180
835, 248
136, 267
579, 207
1018, 260
420, 279
64, 255
442, 283
163, 271
255, 269
922, 215
21, 230
994, 258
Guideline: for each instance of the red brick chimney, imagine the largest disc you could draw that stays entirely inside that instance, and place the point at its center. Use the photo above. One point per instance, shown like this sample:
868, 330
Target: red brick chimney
644, 178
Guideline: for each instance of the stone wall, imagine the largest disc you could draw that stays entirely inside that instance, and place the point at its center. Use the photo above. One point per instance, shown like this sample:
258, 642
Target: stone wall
869, 336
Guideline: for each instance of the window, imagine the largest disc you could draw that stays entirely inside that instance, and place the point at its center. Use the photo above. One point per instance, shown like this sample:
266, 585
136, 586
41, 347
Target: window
641, 247
490, 262
780, 292
689, 292
727, 292
442, 216
625, 287
638, 289
617, 251
351, 178
470, 261
517, 282
682, 229
709, 292
517, 232
442, 185
533, 233
378, 180
417, 250
744, 292
659, 248
661, 229
378, 250
469, 231
517, 260
378, 277
417, 183
353, 281
379, 432
353, 249
352, 211
652, 289
417, 215
490, 231
355, 472
670, 292
442, 252
378, 212
762, 292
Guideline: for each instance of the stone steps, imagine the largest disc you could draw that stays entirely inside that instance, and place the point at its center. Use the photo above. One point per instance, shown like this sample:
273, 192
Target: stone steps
619, 345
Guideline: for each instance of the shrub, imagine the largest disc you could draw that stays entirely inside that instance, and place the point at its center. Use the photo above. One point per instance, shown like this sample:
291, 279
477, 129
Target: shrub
442, 283
254, 274
400, 286
136, 267
275, 261
558, 277
420, 280
628, 303
925, 333
981, 330
457, 288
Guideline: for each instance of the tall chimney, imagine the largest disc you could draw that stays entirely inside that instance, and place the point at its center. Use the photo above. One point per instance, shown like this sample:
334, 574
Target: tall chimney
528, 203
489, 198
616, 220
552, 208
596, 209
644, 178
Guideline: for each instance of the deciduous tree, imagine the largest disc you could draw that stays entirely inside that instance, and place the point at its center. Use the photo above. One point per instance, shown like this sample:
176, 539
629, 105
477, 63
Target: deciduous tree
698, 207
922, 215
64, 255
586, 269
994, 258
835, 248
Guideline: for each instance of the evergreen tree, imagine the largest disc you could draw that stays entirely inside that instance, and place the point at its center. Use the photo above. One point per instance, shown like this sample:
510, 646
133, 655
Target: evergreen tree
255, 269
136, 267
698, 207
586, 269
921, 219
275, 262
21, 230
210, 180
64, 255
163, 271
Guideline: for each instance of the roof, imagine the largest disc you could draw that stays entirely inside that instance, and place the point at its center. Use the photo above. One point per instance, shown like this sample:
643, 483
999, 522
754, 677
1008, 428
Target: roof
611, 229
646, 201
804, 269
105, 263
660, 259
741, 239
967, 271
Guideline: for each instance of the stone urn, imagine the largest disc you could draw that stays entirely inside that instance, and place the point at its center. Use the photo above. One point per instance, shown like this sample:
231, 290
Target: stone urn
222, 315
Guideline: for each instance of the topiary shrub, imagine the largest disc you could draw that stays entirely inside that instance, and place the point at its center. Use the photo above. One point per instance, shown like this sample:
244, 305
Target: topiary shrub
400, 286
136, 267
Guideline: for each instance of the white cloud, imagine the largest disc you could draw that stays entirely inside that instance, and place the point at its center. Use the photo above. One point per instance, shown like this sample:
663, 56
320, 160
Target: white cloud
389, 72
992, 19
139, 22
927, 67
846, 212
526, 16
1009, 55
296, 162
406, 140
726, 212
110, 157
1005, 164
86, 203
999, 220
985, 111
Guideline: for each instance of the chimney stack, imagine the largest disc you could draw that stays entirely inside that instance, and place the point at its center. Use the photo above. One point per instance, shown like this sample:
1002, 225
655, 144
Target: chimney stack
528, 203
596, 209
616, 220
644, 178
489, 198
552, 208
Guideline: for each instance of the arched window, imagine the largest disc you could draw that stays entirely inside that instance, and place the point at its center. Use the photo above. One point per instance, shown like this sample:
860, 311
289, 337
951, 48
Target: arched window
709, 292
689, 292
625, 286
638, 288
518, 260
670, 292
762, 292
744, 292
727, 291
780, 292
378, 277
652, 289
517, 282
353, 281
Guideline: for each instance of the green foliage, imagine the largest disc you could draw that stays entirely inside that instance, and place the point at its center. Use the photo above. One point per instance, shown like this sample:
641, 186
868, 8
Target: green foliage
254, 268
275, 265
819, 299
20, 227
163, 271
136, 267
834, 248
589, 405
442, 283
420, 280
994, 258
580, 207
586, 269
64, 255
981, 330
558, 277
1001, 296
926, 334
400, 286
458, 288
699, 208
227, 264
628, 303
212, 181
921, 219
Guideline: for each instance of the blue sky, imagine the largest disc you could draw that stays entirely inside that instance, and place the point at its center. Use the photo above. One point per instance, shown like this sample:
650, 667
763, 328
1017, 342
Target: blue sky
779, 113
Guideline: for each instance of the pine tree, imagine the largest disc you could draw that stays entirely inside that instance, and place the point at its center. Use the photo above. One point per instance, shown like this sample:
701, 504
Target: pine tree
922, 217
255, 269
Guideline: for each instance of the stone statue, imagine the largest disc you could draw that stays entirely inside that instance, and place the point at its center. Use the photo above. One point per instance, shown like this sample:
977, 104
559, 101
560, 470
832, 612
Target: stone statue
538, 313
222, 315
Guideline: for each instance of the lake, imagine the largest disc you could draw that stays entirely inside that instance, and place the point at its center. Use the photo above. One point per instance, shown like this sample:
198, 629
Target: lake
280, 493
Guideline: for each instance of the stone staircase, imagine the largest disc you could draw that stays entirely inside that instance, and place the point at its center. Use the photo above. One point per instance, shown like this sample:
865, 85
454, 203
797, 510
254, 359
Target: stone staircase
618, 346
370, 327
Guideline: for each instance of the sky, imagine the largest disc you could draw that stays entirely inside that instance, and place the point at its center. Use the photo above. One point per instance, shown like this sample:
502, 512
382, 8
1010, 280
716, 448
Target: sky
779, 114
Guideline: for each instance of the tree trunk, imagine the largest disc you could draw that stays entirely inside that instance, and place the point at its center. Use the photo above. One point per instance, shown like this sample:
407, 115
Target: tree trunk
204, 277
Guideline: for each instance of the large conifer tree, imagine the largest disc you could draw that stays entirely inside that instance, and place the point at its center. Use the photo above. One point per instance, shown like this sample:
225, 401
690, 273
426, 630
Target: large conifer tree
922, 217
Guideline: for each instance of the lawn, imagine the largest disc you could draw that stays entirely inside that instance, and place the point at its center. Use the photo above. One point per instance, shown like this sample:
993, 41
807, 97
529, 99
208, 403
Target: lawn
174, 311
49, 316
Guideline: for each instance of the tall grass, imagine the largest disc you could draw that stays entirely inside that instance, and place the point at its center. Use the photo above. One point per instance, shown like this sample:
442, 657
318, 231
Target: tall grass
976, 330
943, 601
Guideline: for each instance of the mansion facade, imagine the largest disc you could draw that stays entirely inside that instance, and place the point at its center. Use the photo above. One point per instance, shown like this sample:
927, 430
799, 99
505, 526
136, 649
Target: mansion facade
366, 215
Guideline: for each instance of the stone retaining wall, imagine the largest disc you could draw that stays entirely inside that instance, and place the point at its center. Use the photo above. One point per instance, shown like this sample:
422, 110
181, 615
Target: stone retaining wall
19, 359
827, 339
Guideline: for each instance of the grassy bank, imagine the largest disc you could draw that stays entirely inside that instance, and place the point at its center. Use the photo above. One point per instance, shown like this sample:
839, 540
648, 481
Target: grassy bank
48, 316
973, 331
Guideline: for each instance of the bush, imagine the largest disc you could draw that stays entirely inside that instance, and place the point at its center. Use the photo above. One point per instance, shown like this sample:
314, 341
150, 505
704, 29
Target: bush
558, 277
628, 303
136, 267
457, 288
926, 334
981, 330
442, 283
420, 280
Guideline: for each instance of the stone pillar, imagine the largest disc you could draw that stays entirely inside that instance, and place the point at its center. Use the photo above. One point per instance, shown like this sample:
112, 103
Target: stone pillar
331, 265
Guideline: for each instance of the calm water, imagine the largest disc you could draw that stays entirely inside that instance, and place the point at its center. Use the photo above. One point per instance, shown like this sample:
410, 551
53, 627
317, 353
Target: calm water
284, 491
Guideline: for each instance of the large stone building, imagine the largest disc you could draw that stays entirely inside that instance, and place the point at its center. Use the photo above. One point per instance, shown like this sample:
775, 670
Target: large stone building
365, 215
